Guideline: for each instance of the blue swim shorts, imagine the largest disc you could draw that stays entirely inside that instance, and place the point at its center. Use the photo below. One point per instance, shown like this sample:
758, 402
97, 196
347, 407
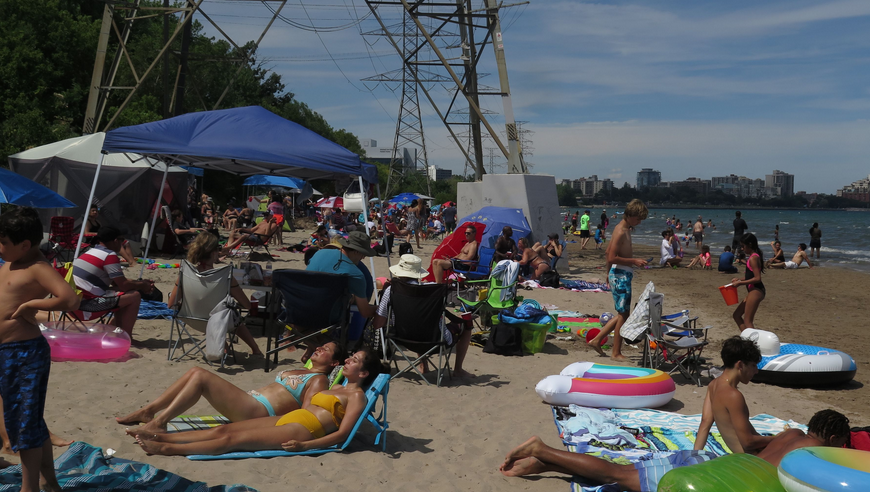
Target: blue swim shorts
24, 368
620, 287
651, 471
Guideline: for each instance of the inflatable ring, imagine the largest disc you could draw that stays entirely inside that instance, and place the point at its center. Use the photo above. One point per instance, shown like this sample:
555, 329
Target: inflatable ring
794, 364
599, 385
79, 341
819, 468
729, 473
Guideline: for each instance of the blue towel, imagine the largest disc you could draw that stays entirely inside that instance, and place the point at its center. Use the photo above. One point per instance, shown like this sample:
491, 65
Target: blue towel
83, 467
155, 310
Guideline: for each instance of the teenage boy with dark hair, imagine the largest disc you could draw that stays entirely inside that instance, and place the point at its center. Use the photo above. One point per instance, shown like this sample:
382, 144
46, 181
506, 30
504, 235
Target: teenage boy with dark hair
26, 280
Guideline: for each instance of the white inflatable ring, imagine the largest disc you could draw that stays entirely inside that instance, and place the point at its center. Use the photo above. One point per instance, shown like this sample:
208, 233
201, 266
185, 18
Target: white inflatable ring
599, 385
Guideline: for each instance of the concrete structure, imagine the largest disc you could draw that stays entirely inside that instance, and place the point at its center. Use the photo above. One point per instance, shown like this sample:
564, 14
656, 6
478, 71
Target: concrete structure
858, 190
648, 177
780, 183
438, 174
535, 194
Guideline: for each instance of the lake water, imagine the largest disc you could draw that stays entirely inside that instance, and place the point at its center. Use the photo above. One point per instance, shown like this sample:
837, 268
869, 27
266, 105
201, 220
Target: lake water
845, 235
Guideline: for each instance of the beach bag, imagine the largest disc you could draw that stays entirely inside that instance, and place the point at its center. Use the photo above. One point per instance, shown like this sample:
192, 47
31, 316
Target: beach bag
550, 278
155, 295
222, 319
505, 339
406, 249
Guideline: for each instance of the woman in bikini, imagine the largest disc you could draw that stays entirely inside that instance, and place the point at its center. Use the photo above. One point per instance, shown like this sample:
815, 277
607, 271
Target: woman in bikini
292, 389
230, 217
537, 260
744, 315
326, 419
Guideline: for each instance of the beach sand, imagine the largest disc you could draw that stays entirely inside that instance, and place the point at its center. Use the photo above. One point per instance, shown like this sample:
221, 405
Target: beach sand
455, 437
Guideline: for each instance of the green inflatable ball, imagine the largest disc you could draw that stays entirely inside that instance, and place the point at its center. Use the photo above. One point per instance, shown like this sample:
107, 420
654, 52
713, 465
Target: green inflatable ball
730, 473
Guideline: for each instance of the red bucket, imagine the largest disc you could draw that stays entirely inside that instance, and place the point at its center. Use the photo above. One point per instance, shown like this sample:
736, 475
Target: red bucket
729, 293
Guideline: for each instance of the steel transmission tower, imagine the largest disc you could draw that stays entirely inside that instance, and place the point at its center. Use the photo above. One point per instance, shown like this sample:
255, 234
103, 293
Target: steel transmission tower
430, 19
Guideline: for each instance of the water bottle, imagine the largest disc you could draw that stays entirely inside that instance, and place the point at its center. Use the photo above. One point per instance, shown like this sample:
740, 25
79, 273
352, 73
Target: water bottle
255, 306
267, 277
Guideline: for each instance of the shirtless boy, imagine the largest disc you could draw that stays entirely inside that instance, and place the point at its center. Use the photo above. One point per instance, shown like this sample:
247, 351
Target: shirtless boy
620, 264
25, 357
468, 253
723, 404
799, 257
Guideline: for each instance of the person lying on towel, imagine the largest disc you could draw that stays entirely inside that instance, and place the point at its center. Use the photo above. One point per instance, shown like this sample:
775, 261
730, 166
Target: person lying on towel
326, 420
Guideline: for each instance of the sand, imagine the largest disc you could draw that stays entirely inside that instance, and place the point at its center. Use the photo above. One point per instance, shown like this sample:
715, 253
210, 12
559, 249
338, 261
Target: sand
455, 437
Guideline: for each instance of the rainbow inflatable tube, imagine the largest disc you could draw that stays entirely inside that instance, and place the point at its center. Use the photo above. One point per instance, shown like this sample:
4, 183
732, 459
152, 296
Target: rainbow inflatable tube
599, 385
729, 473
79, 341
817, 468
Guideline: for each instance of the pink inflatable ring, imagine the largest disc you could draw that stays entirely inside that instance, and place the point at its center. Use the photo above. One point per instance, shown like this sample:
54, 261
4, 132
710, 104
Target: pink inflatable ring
80, 341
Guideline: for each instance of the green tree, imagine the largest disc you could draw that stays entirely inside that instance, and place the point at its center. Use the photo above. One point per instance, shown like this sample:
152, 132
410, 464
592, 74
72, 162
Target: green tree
566, 195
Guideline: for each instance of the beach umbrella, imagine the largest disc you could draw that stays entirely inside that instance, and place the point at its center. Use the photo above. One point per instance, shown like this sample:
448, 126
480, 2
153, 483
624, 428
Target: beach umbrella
18, 190
408, 198
330, 202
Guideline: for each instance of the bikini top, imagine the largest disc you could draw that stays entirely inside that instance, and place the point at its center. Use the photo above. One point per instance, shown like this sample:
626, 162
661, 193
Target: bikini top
750, 274
295, 383
331, 404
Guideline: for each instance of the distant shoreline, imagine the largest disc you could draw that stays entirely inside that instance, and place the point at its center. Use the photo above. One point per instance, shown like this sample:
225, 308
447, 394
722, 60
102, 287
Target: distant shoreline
712, 207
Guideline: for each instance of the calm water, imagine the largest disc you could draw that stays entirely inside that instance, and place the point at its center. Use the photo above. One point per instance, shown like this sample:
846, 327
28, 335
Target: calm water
845, 235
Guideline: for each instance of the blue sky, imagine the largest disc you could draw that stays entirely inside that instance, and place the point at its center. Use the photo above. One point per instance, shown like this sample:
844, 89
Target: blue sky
697, 88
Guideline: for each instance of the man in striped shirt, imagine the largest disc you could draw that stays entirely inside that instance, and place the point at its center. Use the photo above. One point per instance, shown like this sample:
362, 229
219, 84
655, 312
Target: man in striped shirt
98, 274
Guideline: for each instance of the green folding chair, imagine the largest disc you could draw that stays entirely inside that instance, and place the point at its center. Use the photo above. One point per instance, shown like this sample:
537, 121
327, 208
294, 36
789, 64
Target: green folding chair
498, 297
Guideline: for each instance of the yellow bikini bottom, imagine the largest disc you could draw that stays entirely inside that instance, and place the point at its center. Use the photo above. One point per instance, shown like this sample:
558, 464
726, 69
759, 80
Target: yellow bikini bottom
305, 419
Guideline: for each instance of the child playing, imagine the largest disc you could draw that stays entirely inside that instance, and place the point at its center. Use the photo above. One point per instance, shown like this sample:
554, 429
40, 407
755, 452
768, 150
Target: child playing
620, 265
726, 261
703, 259
599, 236
25, 357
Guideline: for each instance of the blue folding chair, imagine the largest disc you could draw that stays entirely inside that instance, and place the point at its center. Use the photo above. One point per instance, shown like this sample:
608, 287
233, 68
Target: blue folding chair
379, 389
482, 266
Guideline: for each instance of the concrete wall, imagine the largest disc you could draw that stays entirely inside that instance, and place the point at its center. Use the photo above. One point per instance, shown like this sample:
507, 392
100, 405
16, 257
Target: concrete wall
535, 194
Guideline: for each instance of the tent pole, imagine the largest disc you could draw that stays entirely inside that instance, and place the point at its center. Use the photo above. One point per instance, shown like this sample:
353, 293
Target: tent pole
90, 202
365, 206
154, 219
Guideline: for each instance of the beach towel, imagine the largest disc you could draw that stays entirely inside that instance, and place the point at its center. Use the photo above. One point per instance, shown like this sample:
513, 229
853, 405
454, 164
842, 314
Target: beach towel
184, 423
84, 467
638, 321
506, 271
154, 310
572, 285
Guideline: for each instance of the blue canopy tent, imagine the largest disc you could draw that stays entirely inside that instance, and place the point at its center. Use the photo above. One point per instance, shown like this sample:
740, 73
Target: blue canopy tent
245, 141
495, 219
18, 190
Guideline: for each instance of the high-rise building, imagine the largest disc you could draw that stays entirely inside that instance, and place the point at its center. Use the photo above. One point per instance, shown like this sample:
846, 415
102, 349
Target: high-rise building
858, 190
438, 174
780, 183
647, 178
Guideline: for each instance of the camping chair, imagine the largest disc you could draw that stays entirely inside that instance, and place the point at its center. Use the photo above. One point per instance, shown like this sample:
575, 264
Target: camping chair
198, 294
682, 352
91, 313
379, 389
308, 301
62, 235
179, 245
416, 313
555, 261
256, 240
501, 292
480, 268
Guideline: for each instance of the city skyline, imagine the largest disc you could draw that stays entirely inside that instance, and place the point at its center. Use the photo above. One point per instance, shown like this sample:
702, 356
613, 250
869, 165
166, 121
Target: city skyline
618, 86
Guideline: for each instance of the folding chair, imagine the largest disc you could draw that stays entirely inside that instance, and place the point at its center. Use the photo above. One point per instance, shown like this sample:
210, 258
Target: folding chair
416, 314
62, 234
256, 240
480, 268
379, 389
682, 352
198, 294
501, 292
308, 301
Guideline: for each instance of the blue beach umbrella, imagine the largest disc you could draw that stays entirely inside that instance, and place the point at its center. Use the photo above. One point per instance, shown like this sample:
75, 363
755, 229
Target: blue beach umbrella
408, 198
18, 190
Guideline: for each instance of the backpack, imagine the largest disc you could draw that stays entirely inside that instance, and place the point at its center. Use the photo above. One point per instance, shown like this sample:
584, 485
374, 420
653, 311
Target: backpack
406, 249
550, 278
505, 339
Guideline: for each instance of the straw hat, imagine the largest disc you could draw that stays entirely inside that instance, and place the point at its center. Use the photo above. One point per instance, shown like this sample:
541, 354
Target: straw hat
410, 266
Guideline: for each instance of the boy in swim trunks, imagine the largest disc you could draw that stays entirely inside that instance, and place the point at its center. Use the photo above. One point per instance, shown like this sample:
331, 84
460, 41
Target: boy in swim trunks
620, 265
26, 279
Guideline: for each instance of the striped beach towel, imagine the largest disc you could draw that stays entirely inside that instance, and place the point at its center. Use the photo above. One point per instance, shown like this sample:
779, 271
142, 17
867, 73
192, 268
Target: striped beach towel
85, 467
184, 423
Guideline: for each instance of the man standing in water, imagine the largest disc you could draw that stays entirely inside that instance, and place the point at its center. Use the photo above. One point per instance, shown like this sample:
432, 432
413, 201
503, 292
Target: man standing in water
620, 264
739, 228
698, 233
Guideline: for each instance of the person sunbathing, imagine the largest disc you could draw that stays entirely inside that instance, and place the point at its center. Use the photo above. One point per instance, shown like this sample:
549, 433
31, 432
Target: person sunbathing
536, 259
326, 419
826, 428
292, 389
260, 233
203, 253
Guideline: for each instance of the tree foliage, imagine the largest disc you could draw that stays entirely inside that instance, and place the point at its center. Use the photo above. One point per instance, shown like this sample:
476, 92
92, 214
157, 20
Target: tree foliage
567, 196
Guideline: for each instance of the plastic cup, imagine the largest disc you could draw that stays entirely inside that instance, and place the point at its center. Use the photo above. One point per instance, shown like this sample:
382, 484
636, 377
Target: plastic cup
729, 293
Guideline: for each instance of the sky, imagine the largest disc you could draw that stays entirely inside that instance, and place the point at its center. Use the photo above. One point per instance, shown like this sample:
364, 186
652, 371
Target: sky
692, 89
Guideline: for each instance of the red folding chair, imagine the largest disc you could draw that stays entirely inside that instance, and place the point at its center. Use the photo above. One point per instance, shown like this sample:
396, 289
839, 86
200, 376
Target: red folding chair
62, 235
